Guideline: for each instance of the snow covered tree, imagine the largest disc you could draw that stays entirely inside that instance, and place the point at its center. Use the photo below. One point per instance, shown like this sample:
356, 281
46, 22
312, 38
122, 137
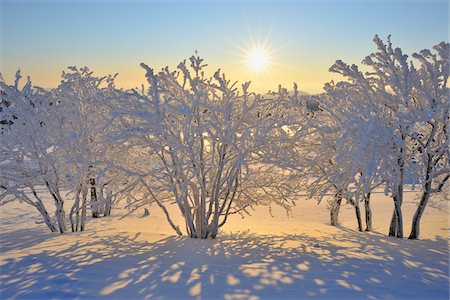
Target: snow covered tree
199, 143
430, 133
392, 82
29, 158
335, 166
83, 103
54, 138
82, 98
391, 125
381, 144
214, 149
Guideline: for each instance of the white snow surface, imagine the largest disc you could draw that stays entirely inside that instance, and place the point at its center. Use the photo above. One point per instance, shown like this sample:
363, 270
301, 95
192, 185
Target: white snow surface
258, 257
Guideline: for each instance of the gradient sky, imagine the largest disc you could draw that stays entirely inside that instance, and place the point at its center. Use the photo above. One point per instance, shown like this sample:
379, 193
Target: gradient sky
305, 37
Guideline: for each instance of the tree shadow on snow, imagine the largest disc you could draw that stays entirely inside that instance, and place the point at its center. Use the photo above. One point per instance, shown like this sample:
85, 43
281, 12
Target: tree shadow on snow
235, 266
23, 238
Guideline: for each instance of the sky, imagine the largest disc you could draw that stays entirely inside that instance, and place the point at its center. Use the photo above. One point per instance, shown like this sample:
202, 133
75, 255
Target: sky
299, 40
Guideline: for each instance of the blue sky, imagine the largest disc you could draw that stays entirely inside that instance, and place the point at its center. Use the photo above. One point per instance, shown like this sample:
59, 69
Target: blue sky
304, 37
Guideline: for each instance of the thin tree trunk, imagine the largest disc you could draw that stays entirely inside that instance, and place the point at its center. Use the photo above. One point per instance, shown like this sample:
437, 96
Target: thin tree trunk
396, 227
174, 227
41, 208
368, 211
415, 229
46, 217
172, 224
399, 217
60, 216
94, 202
77, 219
108, 203
213, 227
358, 217
83, 210
393, 225
334, 210
75, 210
59, 203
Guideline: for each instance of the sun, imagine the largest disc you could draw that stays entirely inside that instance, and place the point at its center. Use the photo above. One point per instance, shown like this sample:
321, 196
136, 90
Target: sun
257, 56
257, 60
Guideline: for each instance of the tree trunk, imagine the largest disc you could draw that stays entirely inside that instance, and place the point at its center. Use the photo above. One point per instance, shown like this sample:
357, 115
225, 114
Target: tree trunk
399, 218
415, 229
393, 225
213, 229
77, 219
358, 217
176, 228
94, 202
396, 227
83, 210
75, 210
46, 217
60, 216
108, 204
334, 210
59, 203
41, 208
368, 211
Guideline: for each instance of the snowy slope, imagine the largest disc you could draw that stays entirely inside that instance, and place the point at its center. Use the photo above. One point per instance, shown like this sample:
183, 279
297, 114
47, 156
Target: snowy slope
258, 257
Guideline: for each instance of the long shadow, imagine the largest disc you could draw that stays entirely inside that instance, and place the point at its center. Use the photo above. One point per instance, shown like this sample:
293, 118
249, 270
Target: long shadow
23, 238
350, 265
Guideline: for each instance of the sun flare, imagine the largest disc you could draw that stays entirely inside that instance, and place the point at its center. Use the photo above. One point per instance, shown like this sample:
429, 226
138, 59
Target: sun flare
257, 60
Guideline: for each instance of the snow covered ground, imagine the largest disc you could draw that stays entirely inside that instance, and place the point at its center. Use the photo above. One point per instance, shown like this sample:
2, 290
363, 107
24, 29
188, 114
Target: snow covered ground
258, 257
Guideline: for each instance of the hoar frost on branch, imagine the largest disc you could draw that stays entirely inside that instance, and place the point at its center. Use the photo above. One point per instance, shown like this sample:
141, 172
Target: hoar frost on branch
387, 125
199, 142
53, 139
29, 158
212, 148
